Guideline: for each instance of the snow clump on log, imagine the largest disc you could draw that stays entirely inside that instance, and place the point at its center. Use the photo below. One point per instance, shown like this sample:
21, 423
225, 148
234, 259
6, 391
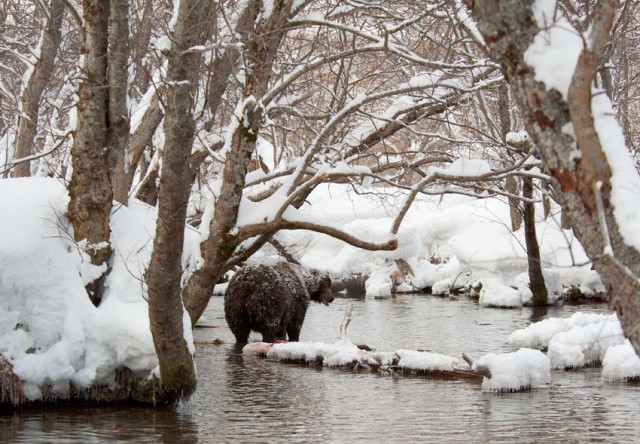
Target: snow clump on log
516, 371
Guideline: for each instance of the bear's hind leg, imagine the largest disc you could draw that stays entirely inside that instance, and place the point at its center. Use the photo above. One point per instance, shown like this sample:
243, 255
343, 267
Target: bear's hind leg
272, 333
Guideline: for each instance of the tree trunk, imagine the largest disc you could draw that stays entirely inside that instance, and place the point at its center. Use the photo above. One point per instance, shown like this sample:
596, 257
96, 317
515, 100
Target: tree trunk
142, 137
90, 189
139, 48
35, 84
511, 185
583, 187
536, 279
163, 277
118, 126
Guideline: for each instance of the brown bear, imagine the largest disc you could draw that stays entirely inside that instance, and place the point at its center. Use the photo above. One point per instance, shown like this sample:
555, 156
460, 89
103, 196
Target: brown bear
273, 300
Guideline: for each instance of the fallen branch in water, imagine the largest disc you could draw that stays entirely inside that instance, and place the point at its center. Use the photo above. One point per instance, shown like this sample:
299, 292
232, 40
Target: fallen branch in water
347, 356
346, 321
481, 369
520, 370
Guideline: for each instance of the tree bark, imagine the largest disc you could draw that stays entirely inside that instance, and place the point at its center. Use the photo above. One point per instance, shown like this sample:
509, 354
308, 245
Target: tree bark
536, 278
163, 277
142, 138
90, 189
508, 29
139, 46
118, 125
32, 90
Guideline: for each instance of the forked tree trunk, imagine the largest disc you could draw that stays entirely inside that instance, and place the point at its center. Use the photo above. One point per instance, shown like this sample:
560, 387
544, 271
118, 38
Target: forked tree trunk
163, 277
90, 189
35, 84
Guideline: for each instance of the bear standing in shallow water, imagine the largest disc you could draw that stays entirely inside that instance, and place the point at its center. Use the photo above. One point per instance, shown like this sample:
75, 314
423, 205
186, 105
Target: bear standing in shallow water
273, 300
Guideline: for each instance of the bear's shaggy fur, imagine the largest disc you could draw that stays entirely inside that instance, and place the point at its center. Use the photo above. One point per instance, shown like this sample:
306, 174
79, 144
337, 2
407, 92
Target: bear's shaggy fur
273, 300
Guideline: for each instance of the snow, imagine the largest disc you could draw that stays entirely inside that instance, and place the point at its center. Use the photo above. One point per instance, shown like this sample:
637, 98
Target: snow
447, 241
625, 181
53, 335
580, 340
495, 293
586, 344
464, 168
418, 360
525, 368
621, 363
49, 330
553, 55
521, 370
539, 334
555, 49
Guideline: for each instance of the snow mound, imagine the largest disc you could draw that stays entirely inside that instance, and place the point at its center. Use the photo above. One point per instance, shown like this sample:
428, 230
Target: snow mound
538, 334
495, 293
621, 363
379, 284
49, 330
448, 240
586, 344
520, 370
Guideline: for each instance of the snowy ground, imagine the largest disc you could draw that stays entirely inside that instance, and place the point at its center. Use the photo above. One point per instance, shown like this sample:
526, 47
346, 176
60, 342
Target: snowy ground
448, 241
53, 335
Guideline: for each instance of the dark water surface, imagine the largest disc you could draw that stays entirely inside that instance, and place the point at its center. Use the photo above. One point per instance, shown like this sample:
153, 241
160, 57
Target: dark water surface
248, 399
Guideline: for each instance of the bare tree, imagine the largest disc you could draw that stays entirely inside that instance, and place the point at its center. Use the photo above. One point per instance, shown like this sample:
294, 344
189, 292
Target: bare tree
34, 86
163, 277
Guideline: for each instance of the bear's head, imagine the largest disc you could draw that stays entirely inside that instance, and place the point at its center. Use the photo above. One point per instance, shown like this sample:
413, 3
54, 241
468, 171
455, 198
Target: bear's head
323, 294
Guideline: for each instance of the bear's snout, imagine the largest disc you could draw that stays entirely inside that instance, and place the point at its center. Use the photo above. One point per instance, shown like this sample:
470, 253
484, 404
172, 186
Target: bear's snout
326, 297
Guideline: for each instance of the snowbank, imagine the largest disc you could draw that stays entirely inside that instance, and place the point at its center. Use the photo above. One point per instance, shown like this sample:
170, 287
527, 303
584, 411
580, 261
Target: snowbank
417, 360
340, 353
49, 330
448, 241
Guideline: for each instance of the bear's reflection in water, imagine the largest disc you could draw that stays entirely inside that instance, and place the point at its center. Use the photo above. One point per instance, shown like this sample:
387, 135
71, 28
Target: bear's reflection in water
274, 401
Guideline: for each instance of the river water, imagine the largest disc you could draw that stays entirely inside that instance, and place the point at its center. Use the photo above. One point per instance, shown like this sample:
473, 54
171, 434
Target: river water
249, 399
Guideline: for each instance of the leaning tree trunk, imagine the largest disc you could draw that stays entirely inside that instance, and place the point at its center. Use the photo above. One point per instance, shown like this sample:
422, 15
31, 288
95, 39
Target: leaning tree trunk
35, 84
582, 183
536, 279
163, 277
90, 189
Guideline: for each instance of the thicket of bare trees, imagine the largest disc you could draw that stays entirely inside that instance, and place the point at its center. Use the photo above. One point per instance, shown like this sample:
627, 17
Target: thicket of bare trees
203, 108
